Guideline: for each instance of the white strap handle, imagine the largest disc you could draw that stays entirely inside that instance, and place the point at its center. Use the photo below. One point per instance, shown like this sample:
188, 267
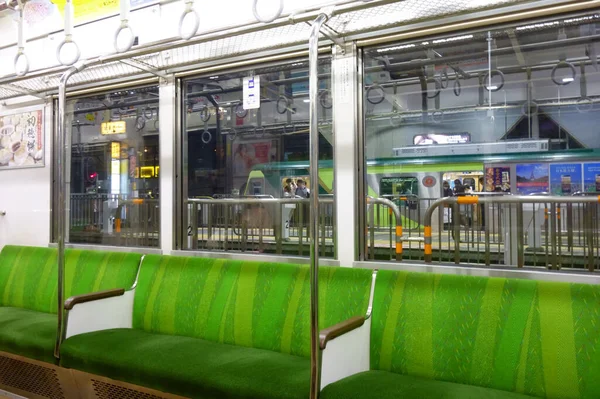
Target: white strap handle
267, 20
69, 18
21, 45
124, 27
189, 10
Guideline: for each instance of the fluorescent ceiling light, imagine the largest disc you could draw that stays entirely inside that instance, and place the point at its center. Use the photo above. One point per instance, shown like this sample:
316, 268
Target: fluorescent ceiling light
535, 26
453, 39
306, 101
492, 88
394, 48
568, 80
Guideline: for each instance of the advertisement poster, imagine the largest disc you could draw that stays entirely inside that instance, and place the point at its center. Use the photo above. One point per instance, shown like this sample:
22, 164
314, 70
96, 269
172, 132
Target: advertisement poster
532, 178
497, 179
89, 10
591, 177
565, 179
246, 155
21, 140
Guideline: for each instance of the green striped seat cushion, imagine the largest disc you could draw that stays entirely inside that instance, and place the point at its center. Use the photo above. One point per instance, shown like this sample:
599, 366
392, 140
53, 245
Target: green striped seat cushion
532, 337
259, 305
29, 275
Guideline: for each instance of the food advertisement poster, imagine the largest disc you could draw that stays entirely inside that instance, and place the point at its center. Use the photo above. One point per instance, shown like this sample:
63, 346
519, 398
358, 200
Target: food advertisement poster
246, 155
21, 140
532, 178
565, 179
497, 179
591, 177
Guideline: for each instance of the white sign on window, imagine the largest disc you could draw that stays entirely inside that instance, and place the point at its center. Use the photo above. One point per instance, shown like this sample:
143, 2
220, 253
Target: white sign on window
252, 92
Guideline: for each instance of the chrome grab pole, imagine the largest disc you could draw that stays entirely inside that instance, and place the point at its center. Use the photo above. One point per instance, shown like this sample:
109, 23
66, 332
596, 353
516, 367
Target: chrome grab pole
64, 146
313, 62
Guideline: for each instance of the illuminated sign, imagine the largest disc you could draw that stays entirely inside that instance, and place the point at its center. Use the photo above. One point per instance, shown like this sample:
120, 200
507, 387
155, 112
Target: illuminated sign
115, 150
117, 127
442, 138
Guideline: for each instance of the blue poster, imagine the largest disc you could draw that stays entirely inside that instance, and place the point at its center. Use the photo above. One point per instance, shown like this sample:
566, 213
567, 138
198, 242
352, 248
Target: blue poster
591, 177
532, 178
565, 178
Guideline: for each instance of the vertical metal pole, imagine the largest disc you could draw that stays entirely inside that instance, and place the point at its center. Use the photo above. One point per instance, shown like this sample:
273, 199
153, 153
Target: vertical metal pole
64, 145
314, 205
520, 233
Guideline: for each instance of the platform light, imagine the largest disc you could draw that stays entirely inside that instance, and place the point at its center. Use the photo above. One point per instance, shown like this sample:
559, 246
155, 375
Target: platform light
307, 100
568, 80
492, 87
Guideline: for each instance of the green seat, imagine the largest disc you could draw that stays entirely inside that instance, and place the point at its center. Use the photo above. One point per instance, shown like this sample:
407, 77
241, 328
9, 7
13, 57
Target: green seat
535, 338
221, 328
386, 385
189, 367
28, 290
28, 333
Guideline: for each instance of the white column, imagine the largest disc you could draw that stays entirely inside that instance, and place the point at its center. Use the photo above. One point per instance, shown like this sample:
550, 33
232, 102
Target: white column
345, 125
167, 125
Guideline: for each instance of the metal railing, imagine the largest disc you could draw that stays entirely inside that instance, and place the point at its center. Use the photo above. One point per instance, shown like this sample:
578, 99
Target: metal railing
393, 230
115, 220
263, 224
549, 231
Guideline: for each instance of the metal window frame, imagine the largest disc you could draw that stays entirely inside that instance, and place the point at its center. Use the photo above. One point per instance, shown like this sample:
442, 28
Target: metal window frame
98, 90
490, 19
272, 58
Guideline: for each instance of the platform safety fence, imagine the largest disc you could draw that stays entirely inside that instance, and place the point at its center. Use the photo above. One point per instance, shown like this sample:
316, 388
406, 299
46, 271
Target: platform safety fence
258, 224
115, 220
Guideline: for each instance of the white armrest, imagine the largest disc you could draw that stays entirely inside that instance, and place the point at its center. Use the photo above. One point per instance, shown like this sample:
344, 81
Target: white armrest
101, 314
346, 355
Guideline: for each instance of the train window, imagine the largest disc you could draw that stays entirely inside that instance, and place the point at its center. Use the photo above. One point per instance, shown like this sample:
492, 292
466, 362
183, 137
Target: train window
399, 186
251, 149
496, 111
114, 166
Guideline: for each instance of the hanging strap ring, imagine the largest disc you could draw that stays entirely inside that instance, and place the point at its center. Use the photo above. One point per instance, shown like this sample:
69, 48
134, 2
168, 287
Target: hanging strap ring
437, 117
444, 81
267, 20
396, 120
21, 45
68, 40
584, 104
232, 135
564, 81
69, 12
21, 55
457, 87
325, 99
375, 94
529, 108
486, 80
283, 105
124, 27
189, 10
206, 137
438, 88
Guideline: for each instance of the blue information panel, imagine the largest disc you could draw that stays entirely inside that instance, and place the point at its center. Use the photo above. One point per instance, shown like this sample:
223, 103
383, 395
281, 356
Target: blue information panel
565, 179
532, 178
591, 177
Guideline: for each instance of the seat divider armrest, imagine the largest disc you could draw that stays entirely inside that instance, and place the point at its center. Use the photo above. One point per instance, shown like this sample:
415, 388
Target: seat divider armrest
329, 333
94, 296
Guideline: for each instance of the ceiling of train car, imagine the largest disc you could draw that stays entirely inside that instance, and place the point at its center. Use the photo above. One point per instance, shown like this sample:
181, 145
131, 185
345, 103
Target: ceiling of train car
370, 19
